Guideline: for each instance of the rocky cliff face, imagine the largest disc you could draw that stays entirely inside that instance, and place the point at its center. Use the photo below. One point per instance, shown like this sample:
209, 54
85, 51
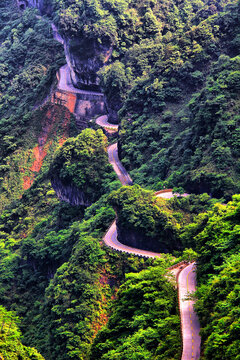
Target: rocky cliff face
138, 239
112, 110
85, 58
70, 193
44, 6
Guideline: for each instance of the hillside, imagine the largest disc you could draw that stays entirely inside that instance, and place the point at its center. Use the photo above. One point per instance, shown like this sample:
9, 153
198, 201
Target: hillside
29, 59
216, 238
168, 73
10, 343
180, 123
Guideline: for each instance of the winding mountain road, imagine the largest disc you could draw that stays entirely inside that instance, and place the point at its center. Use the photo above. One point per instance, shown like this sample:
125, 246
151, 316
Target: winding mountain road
103, 121
169, 194
187, 277
111, 240
117, 165
65, 83
189, 320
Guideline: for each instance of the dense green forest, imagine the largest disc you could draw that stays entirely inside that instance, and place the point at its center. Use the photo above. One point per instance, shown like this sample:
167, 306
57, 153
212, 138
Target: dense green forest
173, 78
10, 342
180, 122
151, 223
83, 162
29, 58
131, 333
174, 73
215, 235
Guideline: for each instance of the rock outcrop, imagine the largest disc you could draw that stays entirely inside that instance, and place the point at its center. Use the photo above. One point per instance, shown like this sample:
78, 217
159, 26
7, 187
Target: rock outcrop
70, 193
85, 58
138, 239
44, 6
112, 110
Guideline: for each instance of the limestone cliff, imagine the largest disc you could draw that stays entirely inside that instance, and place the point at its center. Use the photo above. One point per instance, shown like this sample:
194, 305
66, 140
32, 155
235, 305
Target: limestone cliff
69, 193
137, 239
84, 56
44, 6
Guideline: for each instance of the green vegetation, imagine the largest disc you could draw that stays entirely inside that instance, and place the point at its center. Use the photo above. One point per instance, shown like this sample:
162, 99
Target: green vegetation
215, 235
145, 221
55, 274
83, 162
50, 125
53, 271
172, 69
180, 119
10, 342
220, 298
29, 59
144, 323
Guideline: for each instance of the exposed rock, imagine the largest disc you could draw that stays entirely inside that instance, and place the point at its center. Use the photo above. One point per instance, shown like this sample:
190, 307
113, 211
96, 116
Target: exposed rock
69, 193
85, 58
112, 110
139, 240
44, 6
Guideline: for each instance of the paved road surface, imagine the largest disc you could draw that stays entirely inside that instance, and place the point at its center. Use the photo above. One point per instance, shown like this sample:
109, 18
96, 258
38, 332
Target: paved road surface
189, 321
56, 34
65, 83
187, 278
111, 240
117, 165
103, 121
170, 194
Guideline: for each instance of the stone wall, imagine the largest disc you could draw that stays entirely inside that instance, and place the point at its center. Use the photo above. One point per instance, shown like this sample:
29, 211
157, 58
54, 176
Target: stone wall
82, 105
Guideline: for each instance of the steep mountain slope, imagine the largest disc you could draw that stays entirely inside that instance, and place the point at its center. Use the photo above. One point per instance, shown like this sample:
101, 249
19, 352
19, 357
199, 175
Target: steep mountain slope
131, 325
216, 238
172, 67
10, 343
49, 127
180, 124
29, 58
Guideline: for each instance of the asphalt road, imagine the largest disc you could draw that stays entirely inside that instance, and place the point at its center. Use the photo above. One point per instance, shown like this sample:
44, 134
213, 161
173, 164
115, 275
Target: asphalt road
117, 165
189, 320
111, 240
187, 278
65, 82
103, 121
170, 194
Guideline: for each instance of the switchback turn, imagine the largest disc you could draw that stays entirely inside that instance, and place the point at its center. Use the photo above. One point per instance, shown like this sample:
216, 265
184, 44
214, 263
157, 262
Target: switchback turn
186, 281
